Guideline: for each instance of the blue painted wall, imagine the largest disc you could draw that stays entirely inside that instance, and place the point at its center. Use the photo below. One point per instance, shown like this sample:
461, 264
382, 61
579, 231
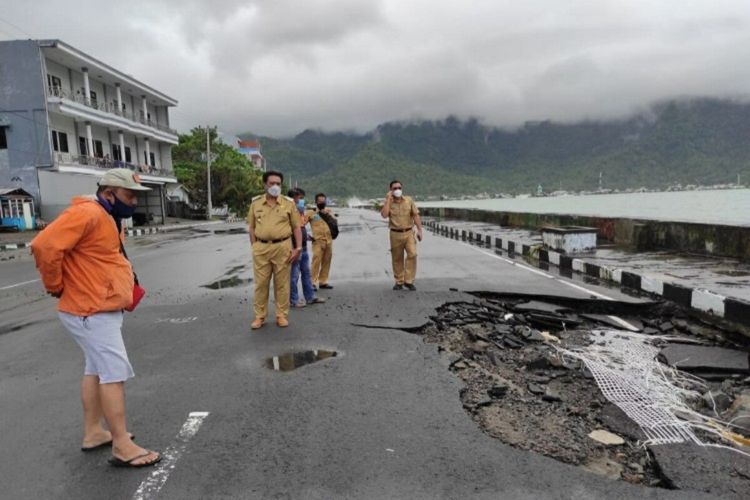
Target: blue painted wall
23, 105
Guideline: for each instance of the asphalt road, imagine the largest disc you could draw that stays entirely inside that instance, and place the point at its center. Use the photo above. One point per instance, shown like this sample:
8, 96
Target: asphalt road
381, 420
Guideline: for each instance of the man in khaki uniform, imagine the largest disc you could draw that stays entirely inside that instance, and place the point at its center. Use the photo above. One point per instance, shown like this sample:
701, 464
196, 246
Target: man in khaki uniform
322, 245
402, 215
273, 219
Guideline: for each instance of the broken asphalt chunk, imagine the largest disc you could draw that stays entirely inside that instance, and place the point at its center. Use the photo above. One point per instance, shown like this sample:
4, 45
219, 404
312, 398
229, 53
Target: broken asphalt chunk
720, 472
497, 391
697, 359
536, 389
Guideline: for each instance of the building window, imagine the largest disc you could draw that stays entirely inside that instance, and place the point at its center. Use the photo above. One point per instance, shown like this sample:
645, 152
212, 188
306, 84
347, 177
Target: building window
3, 139
98, 149
83, 146
153, 160
60, 141
93, 98
116, 153
128, 158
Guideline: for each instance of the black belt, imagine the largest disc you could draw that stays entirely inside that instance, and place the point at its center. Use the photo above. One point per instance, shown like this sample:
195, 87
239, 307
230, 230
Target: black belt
273, 241
400, 230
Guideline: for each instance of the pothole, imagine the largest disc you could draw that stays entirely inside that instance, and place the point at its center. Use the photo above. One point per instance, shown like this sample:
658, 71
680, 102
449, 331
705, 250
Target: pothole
231, 282
293, 360
519, 389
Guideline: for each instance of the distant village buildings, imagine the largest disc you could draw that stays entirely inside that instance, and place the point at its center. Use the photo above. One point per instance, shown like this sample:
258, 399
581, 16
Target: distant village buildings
69, 118
251, 149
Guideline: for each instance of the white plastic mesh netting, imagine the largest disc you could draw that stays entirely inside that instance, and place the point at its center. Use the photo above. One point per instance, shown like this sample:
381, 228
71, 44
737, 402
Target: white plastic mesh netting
653, 395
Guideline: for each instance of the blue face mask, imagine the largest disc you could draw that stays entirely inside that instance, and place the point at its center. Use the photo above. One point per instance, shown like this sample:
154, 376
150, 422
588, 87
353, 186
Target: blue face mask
301, 204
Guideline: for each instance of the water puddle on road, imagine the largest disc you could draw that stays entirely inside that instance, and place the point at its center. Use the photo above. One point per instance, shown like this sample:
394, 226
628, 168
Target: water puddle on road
231, 282
293, 360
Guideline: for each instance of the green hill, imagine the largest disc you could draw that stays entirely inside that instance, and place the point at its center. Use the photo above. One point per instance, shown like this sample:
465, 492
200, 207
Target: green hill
689, 141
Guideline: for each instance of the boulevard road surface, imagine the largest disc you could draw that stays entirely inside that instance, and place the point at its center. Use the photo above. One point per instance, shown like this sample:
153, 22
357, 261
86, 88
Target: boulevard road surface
383, 419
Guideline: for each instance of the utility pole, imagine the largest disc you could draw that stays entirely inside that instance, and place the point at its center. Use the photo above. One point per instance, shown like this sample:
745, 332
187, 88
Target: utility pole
208, 170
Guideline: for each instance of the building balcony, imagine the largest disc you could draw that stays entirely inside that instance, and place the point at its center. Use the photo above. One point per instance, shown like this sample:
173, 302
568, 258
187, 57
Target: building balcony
109, 115
66, 162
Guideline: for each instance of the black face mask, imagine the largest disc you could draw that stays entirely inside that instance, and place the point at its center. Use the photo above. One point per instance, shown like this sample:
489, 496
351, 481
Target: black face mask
118, 210
321, 206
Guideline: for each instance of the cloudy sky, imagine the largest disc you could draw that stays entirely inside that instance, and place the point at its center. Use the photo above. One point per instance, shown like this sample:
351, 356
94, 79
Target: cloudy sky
277, 67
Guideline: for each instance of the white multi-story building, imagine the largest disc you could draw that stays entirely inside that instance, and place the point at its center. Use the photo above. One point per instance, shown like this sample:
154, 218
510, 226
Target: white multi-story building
67, 117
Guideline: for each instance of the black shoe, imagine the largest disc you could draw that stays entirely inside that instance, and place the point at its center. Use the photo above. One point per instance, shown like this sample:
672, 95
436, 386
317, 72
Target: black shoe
410, 286
326, 287
398, 287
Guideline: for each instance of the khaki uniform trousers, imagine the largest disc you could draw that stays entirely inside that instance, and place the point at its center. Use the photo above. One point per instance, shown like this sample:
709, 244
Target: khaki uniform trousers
404, 270
270, 259
322, 250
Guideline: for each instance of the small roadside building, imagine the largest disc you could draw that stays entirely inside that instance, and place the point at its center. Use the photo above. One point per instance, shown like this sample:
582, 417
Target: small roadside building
16, 210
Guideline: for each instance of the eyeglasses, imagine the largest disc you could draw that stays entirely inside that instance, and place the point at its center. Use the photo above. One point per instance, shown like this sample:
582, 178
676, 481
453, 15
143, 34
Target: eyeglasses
395, 187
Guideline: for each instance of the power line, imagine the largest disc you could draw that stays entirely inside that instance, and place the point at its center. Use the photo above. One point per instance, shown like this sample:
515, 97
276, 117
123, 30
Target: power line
16, 27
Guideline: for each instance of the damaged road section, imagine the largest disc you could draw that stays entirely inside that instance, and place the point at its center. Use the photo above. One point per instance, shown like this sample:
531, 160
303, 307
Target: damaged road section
522, 388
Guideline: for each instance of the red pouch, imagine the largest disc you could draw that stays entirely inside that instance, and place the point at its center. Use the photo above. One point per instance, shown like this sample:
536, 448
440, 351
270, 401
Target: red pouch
138, 293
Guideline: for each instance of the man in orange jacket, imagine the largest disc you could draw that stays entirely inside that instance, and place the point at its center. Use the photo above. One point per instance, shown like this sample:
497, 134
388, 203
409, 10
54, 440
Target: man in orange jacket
81, 262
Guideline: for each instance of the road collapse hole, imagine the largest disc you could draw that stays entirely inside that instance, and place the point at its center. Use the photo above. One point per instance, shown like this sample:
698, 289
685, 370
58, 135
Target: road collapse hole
520, 390
293, 360
231, 282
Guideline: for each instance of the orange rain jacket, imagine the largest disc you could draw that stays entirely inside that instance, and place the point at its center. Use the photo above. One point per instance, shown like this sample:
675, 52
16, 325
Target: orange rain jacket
79, 254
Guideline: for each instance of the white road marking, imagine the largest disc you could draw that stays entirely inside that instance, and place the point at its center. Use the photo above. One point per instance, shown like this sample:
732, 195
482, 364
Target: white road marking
621, 321
150, 486
19, 284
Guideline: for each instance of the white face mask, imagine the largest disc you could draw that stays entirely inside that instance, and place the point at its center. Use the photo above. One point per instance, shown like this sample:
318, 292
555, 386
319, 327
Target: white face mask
397, 193
274, 191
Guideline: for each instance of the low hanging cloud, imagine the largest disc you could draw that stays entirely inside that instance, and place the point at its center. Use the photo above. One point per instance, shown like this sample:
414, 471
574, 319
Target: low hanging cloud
277, 67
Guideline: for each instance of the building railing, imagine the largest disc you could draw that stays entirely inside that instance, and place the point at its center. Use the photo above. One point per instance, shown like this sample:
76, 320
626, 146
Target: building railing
55, 91
106, 162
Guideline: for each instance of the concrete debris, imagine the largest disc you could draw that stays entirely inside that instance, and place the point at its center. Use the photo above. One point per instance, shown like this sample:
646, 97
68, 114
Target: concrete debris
606, 467
548, 337
520, 389
717, 401
551, 395
606, 437
739, 412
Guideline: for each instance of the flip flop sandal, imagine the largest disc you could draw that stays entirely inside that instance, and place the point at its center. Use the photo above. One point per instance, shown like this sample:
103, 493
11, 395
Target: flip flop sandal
116, 462
100, 446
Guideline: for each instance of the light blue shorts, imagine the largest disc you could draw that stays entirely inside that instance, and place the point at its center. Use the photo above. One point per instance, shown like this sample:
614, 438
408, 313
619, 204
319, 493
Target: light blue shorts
100, 337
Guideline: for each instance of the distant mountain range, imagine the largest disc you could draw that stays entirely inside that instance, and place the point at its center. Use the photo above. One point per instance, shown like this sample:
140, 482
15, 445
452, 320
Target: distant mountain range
687, 141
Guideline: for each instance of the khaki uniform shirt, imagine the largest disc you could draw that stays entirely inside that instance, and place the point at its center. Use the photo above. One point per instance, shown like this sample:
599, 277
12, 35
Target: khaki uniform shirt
273, 222
320, 230
402, 213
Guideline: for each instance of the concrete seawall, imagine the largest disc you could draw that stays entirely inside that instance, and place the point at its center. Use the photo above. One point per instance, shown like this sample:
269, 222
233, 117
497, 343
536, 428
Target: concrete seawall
641, 235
